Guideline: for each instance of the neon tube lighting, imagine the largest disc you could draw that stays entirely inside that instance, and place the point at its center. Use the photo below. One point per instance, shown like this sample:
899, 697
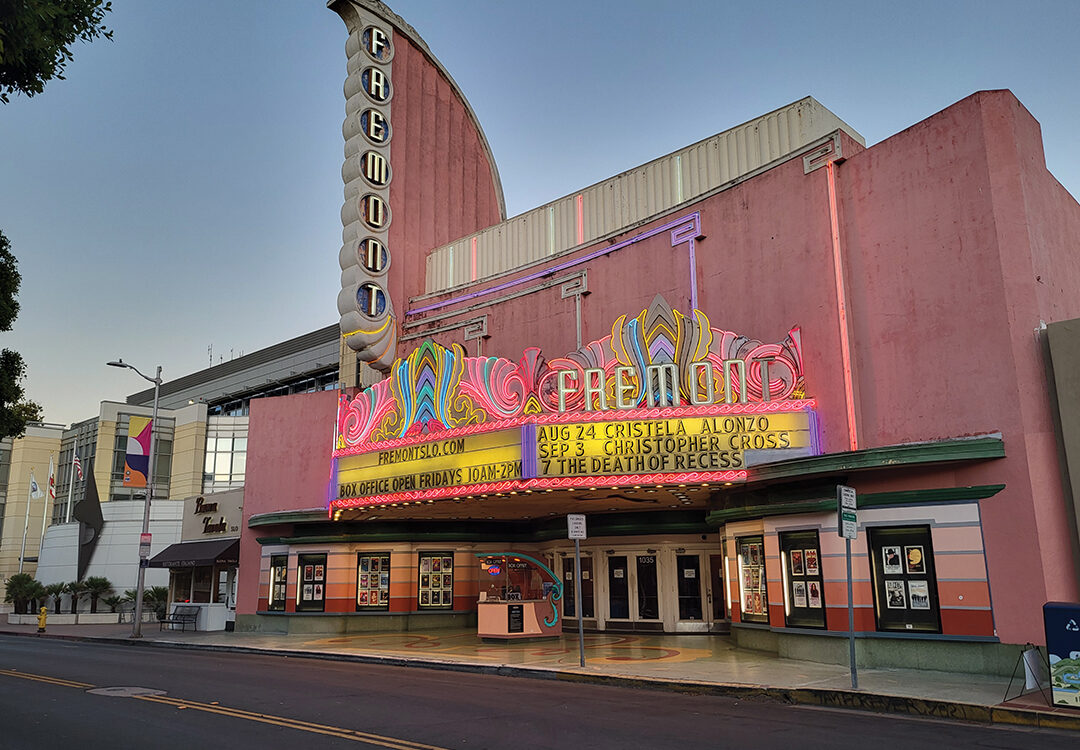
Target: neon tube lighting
568, 483
611, 415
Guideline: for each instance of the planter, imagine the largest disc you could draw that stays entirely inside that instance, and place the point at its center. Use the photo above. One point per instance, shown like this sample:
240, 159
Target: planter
100, 618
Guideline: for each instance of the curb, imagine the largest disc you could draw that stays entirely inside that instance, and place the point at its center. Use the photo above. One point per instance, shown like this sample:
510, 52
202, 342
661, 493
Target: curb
822, 697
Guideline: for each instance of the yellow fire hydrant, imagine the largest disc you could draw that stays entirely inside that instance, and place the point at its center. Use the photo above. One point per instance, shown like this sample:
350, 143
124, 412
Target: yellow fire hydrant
43, 615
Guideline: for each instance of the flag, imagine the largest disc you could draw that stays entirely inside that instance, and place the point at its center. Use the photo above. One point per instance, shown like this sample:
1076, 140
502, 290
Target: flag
52, 481
35, 490
88, 513
78, 467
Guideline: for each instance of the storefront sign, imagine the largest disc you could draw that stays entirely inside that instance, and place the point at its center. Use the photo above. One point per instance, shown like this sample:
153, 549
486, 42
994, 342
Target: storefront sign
455, 462
212, 516
642, 405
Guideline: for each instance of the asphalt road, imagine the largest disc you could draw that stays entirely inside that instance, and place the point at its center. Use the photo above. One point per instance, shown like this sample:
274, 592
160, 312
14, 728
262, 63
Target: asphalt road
200, 700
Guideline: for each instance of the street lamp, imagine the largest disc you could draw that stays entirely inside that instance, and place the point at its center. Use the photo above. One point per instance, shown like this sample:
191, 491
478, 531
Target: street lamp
136, 628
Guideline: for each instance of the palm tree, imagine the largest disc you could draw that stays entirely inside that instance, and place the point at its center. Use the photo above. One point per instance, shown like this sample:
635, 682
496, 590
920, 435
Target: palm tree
56, 590
20, 590
156, 598
76, 589
97, 587
112, 602
37, 595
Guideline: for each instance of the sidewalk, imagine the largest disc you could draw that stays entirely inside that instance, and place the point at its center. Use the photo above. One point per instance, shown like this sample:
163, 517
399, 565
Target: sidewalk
690, 663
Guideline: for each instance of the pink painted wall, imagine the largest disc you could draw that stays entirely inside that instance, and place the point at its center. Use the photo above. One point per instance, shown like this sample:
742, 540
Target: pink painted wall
442, 186
288, 467
957, 243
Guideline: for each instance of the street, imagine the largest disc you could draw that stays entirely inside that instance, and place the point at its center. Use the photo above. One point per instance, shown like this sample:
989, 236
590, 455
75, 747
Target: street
203, 699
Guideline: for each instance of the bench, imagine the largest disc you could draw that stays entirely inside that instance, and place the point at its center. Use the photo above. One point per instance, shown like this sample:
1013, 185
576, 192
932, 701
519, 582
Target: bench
182, 616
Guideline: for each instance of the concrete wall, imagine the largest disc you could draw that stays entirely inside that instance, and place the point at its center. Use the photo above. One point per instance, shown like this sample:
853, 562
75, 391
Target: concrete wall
117, 553
30, 452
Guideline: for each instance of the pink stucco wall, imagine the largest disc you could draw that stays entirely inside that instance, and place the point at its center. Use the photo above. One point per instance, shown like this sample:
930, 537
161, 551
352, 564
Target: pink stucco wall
443, 187
288, 468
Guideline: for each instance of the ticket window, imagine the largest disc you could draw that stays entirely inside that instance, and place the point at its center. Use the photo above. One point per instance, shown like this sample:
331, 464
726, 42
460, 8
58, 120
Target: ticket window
570, 588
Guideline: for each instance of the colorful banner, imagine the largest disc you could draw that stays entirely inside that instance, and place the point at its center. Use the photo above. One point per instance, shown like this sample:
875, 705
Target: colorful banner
137, 460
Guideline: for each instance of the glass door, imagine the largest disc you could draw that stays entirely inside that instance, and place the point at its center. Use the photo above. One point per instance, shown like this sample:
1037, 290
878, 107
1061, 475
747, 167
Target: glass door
716, 575
618, 588
648, 593
688, 570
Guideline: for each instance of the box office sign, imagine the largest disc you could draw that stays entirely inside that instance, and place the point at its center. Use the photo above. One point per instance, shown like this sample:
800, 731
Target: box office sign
212, 516
664, 398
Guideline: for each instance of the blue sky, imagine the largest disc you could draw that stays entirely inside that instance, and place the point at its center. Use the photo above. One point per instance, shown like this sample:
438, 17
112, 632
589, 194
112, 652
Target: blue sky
181, 189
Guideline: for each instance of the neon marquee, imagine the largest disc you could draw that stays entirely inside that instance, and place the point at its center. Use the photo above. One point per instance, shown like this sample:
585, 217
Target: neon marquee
664, 399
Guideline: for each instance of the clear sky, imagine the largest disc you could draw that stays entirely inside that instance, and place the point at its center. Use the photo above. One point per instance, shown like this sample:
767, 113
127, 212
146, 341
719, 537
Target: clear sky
181, 189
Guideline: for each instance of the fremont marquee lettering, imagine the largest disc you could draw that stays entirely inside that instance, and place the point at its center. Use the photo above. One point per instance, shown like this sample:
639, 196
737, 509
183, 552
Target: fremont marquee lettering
662, 385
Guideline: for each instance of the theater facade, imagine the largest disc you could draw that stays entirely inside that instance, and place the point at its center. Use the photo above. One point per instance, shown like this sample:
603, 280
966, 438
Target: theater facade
694, 354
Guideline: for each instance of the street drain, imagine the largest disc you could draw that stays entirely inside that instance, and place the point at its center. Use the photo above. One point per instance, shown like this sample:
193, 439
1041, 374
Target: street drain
125, 692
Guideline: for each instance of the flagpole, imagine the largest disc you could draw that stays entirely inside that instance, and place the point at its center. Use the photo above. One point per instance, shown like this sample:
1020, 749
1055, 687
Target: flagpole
26, 523
50, 495
71, 481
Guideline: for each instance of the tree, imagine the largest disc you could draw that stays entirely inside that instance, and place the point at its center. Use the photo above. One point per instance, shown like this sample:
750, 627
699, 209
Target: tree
112, 602
156, 598
15, 412
76, 589
20, 590
36, 38
56, 590
97, 587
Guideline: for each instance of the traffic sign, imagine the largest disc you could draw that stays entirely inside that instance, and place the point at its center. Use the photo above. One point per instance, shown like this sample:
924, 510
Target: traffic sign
144, 546
847, 520
575, 526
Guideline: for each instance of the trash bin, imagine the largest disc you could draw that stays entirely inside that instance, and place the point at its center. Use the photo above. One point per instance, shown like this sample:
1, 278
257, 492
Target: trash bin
1062, 623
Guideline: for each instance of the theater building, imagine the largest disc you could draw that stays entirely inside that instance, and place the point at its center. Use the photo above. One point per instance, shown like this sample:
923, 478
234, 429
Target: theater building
694, 354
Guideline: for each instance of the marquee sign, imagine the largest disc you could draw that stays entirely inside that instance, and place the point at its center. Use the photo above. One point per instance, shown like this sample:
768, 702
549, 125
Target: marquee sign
665, 398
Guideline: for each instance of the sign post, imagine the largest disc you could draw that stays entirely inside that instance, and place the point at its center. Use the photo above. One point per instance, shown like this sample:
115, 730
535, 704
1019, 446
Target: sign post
575, 527
144, 549
847, 525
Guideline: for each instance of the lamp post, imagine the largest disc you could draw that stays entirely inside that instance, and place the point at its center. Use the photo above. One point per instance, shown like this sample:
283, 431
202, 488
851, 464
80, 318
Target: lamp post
136, 628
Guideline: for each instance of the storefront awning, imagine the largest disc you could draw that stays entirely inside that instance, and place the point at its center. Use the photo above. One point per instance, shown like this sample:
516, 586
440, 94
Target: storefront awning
194, 554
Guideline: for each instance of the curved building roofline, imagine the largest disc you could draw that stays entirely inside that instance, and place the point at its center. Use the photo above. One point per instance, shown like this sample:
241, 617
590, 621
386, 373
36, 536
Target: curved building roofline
404, 27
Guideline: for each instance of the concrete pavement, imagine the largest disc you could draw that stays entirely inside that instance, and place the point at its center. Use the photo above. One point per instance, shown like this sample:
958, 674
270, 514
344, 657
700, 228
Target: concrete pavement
689, 663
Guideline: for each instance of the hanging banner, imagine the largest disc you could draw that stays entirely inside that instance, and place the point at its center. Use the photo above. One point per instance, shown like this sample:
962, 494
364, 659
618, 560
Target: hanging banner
137, 459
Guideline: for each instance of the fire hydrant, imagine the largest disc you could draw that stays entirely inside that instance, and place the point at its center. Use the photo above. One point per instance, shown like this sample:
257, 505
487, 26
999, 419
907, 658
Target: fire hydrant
42, 616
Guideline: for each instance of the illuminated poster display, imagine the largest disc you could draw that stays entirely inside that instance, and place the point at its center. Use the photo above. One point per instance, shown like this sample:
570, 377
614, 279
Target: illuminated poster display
664, 398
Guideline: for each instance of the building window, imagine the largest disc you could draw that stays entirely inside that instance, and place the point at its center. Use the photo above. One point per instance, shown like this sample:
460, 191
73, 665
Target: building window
181, 583
804, 584
373, 581
310, 583
436, 589
279, 580
752, 589
570, 588
225, 461
905, 583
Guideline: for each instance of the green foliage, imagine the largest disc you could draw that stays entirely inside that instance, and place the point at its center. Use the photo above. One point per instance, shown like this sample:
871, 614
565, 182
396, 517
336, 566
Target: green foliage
113, 602
56, 590
20, 589
14, 411
36, 38
76, 589
97, 587
156, 598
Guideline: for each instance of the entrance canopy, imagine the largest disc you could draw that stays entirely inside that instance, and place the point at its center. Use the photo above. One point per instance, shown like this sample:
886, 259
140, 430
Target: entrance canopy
195, 554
